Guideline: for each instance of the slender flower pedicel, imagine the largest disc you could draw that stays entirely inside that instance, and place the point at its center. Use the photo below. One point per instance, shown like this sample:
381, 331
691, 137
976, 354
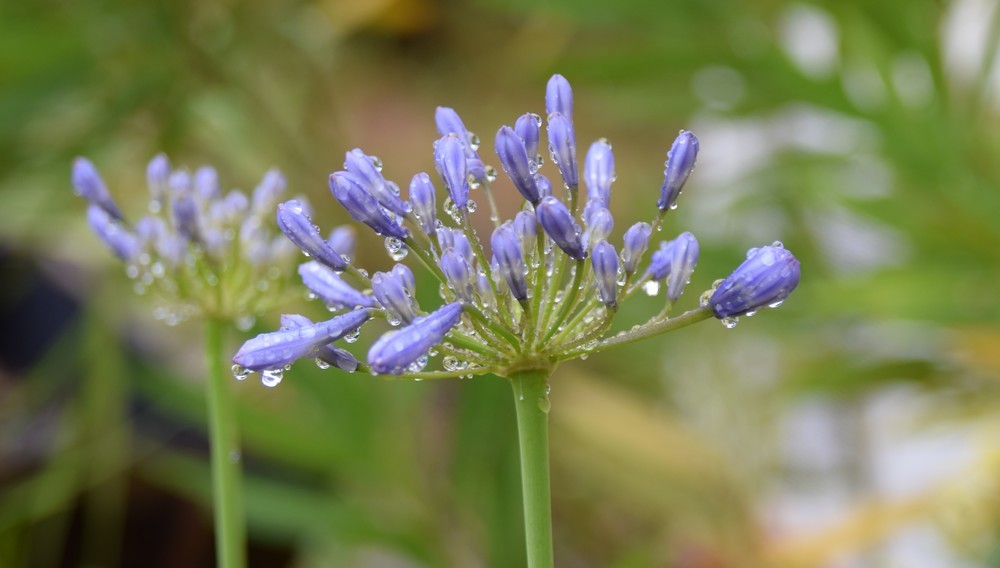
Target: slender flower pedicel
544, 288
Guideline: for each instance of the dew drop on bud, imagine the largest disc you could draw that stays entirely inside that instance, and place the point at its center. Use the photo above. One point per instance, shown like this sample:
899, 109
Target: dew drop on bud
651, 288
322, 364
352, 336
240, 372
730, 323
271, 377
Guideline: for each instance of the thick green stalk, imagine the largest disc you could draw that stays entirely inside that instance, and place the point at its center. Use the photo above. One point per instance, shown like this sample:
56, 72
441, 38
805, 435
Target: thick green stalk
531, 399
227, 484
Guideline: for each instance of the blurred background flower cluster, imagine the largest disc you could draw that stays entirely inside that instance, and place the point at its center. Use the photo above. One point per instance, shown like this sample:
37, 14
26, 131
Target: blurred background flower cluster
857, 426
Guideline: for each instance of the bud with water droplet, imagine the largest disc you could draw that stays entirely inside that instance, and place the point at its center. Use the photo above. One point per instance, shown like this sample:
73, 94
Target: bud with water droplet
363, 167
528, 129
423, 196
767, 276
679, 165
298, 227
510, 259
516, 163
363, 207
599, 172
449, 155
604, 260
559, 97
558, 223
390, 290
279, 348
331, 288
562, 145
396, 350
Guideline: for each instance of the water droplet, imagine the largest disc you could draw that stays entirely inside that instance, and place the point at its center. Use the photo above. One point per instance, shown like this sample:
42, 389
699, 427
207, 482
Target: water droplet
491, 174
705, 297
583, 356
776, 304
376, 162
132, 271
418, 365
651, 288
240, 373
322, 364
473, 141
245, 322
544, 404
778, 244
272, 377
731, 322
352, 336
396, 248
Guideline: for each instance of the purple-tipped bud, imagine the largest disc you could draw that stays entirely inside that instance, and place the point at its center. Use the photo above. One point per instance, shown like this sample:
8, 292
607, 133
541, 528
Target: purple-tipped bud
449, 154
393, 294
605, 263
365, 170
405, 275
157, 177
515, 162
497, 276
485, 291
562, 145
343, 239
544, 186
680, 164
526, 229
299, 229
331, 288
598, 221
327, 354
634, 244
684, 257
766, 278
449, 238
363, 207
268, 192
116, 236
528, 128
279, 348
423, 197
448, 122
559, 97
510, 260
459, 274
90, 186
599, 172
183, 207
206, 183
395, 351
559, 225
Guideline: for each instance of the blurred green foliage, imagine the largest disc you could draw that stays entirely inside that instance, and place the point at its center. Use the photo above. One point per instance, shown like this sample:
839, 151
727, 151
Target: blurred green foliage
873, 158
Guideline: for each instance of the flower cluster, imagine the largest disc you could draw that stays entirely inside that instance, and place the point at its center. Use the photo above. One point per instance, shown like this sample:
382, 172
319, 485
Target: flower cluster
547, 288
199, 250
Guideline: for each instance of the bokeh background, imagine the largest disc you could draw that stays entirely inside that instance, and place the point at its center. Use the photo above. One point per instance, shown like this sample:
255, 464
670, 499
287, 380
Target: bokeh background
857, 426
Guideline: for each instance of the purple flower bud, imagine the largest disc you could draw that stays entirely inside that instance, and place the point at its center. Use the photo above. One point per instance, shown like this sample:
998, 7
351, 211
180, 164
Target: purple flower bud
396, 350
423, 197
515, 162
299, 229
527, 128
276, 349
562, 145
680, 164
766, 278
405, 275
559, 97
510, 260
342, 240
183, 207
558, 223
206, 183
268, 192
498, 277
448, 122
485, 291
363, 207
365, 171
544, 186
598, 221
157, 177
394, 296
449, 154
659, 263
331, 288
605, 263
635, 242
328, 354
116, 236
458, 273
150, 229
526, 229
684, 257
599, 172
90, 186
449, 238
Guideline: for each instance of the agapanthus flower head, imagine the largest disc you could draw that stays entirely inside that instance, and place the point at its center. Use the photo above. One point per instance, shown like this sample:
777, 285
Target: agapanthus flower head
198, 251
544, 288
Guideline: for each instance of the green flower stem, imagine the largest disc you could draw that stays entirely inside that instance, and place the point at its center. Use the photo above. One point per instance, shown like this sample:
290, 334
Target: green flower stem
494, 212
531, 399
568, 302
227, 485
509, 337
687, 318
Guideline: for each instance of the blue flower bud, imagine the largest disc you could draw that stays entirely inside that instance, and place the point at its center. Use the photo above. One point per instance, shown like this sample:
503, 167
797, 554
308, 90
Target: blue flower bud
157, 177
342, 240
562, 145
116, 236
766, 278
634, 244
526, 229
276, 349
598, 221
405, 275
459, 274
396, 350
183, 208
599, 172
515, 162
267, 193
559, 97
299, 229
206, 183
328, 354
448, 122
423, 196
528, 129
449, 155
559, 225
604, 260
544, 186
331, 288
449, 238
363, 207
684, 257
680, 164
392, 292
510, 260
90, 186
485, 291
365, 171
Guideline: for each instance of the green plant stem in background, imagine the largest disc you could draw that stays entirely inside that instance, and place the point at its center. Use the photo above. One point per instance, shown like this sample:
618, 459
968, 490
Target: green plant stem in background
227, 483
531, 399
